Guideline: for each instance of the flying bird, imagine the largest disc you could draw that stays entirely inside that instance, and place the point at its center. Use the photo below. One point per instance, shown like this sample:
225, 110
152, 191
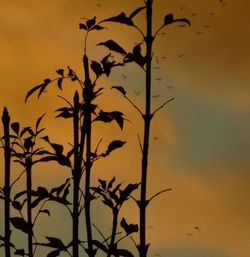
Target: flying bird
197, 228
206, 26
169, 87
183, 8
155, 96
155, 138
99, 5
163, 57
194, 14
137, 92
180, 55
190, 234
158, 79
198, 32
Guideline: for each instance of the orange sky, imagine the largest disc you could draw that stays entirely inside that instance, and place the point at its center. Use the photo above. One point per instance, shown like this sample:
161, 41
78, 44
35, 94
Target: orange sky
203, 144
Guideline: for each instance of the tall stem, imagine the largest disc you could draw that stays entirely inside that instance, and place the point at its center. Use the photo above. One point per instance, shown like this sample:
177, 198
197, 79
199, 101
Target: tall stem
87, 124
114, 228
76, 178
7, 158
147, 120
29, 214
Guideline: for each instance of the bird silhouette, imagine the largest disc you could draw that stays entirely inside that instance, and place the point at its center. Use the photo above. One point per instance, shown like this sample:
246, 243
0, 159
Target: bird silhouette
190, 234
169, 87
163, 57
194, 14
180, 55
183, 8
155, 96
198, 32
197, 228
158, 79
137, 92
206, 26
99, 5
156, 68
155, 138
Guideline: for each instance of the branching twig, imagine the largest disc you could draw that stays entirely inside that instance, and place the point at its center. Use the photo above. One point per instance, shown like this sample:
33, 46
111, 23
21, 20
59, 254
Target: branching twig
17, 179
133, 104
165, 190
101, 234
160, 107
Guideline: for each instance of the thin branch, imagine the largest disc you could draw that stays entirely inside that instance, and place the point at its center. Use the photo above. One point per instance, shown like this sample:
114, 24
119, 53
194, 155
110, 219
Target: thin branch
65, 100
165, 190
133, 241
158, 30
160, 107
133, 104
138, 136
101, 234
17, 179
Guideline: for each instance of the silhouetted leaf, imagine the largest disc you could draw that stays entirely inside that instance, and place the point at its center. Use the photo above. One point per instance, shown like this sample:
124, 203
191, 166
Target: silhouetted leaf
91, 22
125, 193
169, 19
17, 205
28, 143
121, 18
31, 91
56, 243
21, 224
97, 68
108, 202
54, 253
59, 83
46, 159
114, 145
44, 85
104, 116
129, 228
97, 27
113, 46
137, 56
103, 183
117, 116
24, 130
60, 72
20, 252
120, 89
60, 188
136, 11
15, 127
39, 121
100, 245
110, 184
82, 26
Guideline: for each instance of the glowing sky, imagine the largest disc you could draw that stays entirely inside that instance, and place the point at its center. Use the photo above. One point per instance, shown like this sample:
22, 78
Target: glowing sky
202, 148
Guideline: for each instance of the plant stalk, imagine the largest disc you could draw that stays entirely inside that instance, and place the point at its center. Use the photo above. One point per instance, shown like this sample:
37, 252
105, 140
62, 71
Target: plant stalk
87, 125
76, 178
29, 209
7, 159
143, 248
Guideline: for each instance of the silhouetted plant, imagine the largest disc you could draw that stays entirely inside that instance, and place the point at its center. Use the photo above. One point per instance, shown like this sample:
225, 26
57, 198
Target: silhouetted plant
5, 191
83, 112
114, 197
144, 62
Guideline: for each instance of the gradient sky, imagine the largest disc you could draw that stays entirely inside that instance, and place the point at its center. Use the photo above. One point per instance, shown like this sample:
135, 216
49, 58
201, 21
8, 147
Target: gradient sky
203, 144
